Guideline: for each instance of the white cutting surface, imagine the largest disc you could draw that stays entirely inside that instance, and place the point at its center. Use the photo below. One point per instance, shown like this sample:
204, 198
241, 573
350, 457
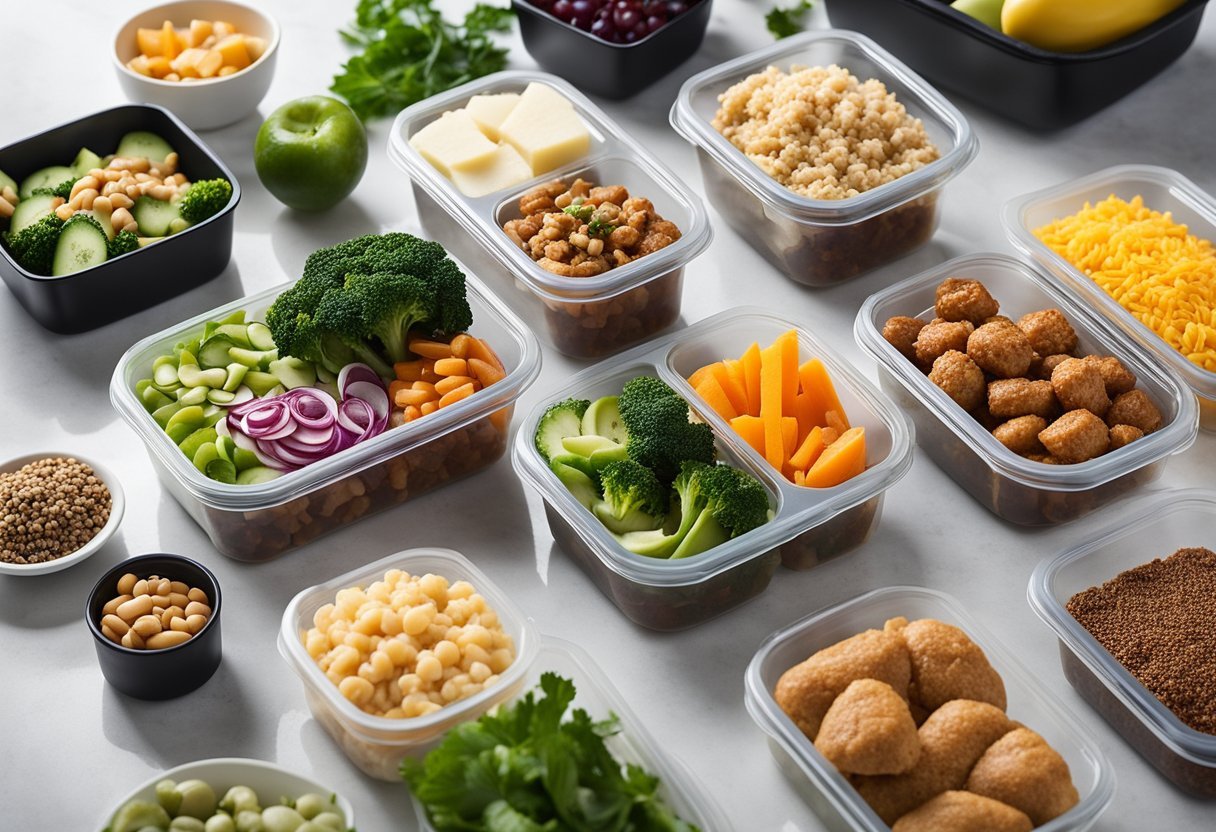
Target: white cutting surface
70, 745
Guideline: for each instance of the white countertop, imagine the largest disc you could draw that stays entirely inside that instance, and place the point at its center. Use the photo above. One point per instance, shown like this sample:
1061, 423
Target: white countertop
70, 745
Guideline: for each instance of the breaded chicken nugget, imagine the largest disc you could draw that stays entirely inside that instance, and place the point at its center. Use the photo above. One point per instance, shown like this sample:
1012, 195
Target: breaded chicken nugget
999, 319
1117, 378
1022, 770
1121, 435
1078, 385
1049, 332
1012, 397
956, 811
959, 299
1000, 349
807, 690
1076, 436
901, 332
1049, 363
1021, 435
959, 376
947, 665
938, 338
1134, 408
869, 730
951, 740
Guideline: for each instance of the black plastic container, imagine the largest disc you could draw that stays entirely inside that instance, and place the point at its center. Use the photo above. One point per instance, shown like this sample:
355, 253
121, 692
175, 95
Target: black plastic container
1043, 90
116, 288
610, 70
169, 672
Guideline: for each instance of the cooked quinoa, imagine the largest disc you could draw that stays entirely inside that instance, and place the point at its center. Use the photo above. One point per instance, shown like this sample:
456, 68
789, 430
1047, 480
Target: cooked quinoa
821, 132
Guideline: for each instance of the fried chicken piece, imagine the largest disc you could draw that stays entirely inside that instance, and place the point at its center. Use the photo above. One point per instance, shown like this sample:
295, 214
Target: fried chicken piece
1117, 378
900, 332
999, 319
1049, 332
947, 665
957, 811
938, 338
1000, 349
1076, 436
1078, 385
1134, 408
807, 690
1049, 364
959, 376
1121, 435
960, 299
869, 730
1021, 435
1022, 770
951, 740
1009, 398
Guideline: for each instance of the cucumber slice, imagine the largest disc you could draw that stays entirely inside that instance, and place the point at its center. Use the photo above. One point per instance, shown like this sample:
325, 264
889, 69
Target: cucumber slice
103, 220
253, 358
205, 455
153, 216
239, 333
29, 211
81, 245
244, 459
260, 383
256, 475
214, 352
217, 396
141, 144
236, 374
190, 396
237, 317
192, 376
555, 425
86, 160
577, 483
7, 181
293, 372
603, 418
196, 440
259, 336
587, 445
50, 177
163, 414
221, 470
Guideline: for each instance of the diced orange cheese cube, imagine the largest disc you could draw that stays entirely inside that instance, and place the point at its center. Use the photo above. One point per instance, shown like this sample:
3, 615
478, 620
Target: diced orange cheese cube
751, 430
233, 50
210, 64
159, 66
169, 44
200, 30
148, 41
714, 396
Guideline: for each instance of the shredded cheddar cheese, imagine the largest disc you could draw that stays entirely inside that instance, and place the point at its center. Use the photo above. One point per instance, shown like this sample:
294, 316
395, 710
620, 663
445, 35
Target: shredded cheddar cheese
1151, 265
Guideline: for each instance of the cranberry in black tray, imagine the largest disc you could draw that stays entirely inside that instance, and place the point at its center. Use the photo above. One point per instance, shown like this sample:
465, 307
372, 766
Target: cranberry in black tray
616, 21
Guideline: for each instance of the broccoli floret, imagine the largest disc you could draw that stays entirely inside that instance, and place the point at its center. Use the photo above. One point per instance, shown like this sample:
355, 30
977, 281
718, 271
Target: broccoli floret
660, 433
735, 503
63, 190
204, 199
34, 246
340, 316
123, 242
688, 505
634, 499
390, 305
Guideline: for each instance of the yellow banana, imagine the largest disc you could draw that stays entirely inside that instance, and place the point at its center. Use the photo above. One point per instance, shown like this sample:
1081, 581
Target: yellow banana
1079, 25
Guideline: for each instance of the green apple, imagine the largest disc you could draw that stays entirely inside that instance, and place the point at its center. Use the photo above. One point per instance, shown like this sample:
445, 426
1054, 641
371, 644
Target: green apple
310, 153
987, 12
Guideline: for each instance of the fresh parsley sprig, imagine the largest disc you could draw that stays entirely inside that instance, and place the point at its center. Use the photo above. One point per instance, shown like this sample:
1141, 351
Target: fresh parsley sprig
783, 22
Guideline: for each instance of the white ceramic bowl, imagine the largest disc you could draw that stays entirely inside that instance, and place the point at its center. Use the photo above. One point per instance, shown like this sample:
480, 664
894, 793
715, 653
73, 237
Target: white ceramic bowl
269, 781
209, 102
117, 506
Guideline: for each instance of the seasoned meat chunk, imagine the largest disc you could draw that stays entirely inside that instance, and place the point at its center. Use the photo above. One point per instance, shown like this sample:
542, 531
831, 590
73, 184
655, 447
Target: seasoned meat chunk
1078, 385
1076, 436
960, 299
1000, 349
1134, 408
960, 378
1049, 332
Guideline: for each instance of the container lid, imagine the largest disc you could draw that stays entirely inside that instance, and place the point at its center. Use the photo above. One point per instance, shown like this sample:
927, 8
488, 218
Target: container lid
1044, 593
506, 333
479, 216
1005, 275
1163, 190
797, 509
694, 109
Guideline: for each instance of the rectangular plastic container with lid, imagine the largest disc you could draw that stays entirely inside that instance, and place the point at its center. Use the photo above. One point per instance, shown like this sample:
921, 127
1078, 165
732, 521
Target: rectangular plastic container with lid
1163, 190
1154, 527
1012, 487
827, 791
378, 744
583, 317
809, 526
596, 694
260, 522
824, 242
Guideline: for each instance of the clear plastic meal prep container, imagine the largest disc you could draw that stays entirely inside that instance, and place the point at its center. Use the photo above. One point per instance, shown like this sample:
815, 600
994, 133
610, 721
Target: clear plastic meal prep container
584, 317
810, 525
827, 791
1163, 190
814, 241
260, 522
1012, 487
1155, 527
378, 744
596, 694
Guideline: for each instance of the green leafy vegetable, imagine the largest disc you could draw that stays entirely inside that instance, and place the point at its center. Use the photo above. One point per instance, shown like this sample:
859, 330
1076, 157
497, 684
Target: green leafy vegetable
410, 52
523, 769
783, 22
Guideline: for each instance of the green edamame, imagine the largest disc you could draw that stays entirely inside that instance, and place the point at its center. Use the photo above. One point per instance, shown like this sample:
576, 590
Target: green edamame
240, 799
220, 823
168, 796
198, 799
281, 819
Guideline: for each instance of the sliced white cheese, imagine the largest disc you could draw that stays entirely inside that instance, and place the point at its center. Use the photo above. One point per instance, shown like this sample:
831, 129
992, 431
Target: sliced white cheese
545, 129
507, 168
454, 142
489, 111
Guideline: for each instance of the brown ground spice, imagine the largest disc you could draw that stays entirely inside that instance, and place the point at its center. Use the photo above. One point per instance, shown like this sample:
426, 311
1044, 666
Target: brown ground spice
50, 508
1159, 621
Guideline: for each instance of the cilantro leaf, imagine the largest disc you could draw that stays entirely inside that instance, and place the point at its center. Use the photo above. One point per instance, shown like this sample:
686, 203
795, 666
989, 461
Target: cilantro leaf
783, 22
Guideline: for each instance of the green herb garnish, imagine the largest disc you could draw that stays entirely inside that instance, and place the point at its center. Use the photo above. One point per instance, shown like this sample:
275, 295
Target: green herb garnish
410, 52
579, 210
599, 228
783, 22
522, 768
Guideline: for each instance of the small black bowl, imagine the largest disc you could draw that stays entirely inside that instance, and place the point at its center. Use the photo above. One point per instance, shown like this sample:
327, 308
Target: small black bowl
610, 70
145, 277
172, 671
